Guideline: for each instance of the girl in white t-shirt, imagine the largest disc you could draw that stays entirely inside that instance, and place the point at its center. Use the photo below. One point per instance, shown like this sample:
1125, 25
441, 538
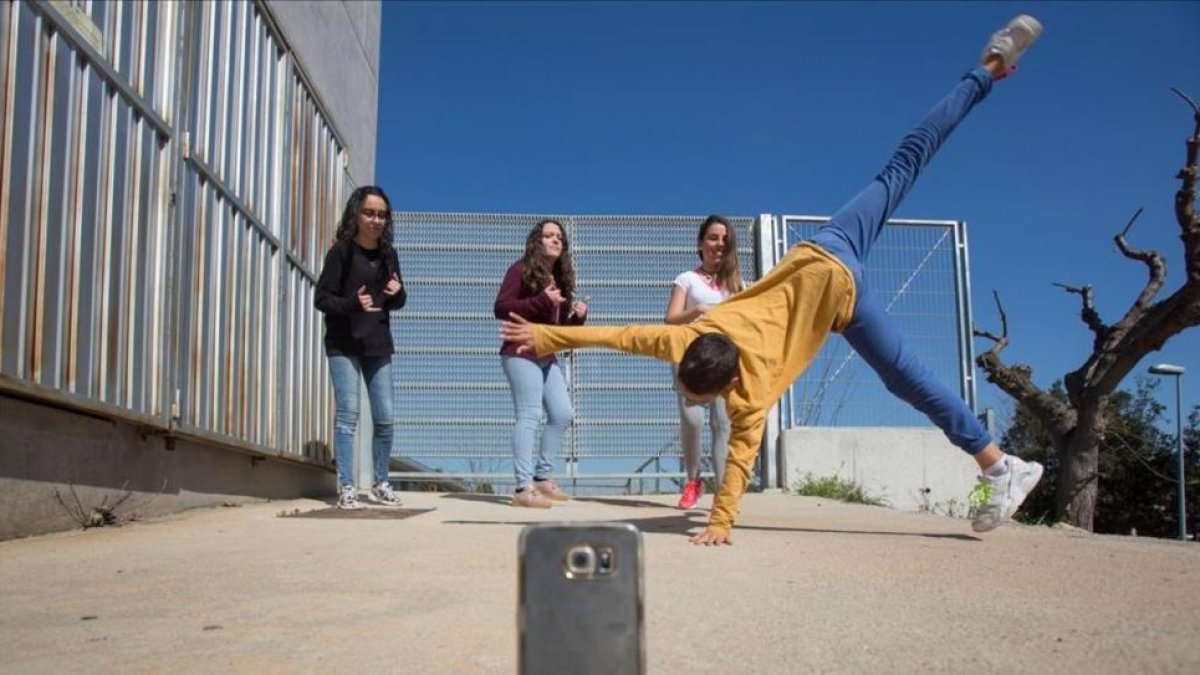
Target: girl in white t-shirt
692, 294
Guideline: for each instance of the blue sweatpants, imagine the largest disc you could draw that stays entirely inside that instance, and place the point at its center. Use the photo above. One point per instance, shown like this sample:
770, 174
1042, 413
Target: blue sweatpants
850, 234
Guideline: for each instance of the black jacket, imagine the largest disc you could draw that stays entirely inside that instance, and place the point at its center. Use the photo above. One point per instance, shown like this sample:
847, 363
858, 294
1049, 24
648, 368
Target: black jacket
349, 331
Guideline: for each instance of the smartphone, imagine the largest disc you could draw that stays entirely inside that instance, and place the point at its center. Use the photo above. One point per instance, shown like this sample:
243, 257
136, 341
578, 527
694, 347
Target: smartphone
579, 606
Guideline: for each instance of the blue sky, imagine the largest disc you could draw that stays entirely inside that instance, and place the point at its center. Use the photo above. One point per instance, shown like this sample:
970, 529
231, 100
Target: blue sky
789, 108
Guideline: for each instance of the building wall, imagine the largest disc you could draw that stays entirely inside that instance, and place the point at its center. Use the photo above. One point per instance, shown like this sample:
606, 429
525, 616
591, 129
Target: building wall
57, 464
172, 176
894, 464
338, 44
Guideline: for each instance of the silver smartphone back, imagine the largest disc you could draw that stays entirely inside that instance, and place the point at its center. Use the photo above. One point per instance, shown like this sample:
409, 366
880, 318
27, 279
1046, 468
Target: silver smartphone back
580, 599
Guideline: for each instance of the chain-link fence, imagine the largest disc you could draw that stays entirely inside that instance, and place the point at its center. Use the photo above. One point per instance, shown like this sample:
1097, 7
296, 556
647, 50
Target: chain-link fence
453, 404
453, 407
918, 270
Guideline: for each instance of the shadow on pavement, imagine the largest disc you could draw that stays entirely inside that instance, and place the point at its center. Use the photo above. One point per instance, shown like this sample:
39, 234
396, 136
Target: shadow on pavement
505, 499
617, 501
685, 523
368, 513
476, 497
679, 524
931, 535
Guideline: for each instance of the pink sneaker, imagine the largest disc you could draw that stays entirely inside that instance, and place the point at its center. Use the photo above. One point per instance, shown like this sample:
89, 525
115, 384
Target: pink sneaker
550, 490
530, 499
691, 494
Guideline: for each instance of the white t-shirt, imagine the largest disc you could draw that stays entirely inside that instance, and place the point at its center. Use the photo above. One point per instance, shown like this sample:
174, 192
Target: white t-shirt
699, 291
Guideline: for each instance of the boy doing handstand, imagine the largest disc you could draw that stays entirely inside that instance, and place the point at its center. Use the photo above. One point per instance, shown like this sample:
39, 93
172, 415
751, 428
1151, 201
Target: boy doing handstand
751, 348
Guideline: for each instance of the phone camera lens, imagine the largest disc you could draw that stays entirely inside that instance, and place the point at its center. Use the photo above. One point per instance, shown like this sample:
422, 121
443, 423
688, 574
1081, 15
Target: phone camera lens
581, 561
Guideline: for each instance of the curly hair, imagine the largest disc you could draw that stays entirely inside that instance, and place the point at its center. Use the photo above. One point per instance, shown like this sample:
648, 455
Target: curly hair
729, 274
537, 275
348, 227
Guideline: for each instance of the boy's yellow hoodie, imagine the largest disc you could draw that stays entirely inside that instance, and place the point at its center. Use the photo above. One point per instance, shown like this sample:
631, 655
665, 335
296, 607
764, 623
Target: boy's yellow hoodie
778, 324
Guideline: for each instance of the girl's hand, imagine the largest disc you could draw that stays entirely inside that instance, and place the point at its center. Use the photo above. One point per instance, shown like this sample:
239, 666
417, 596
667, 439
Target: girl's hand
393, 286
366, 301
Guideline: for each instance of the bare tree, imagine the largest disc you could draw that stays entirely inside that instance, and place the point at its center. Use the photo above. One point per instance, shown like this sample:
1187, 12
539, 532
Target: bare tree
1078, 424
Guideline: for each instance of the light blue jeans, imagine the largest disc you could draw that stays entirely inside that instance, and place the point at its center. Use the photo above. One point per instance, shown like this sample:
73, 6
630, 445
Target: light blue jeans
850, 234
346, 372
534, 387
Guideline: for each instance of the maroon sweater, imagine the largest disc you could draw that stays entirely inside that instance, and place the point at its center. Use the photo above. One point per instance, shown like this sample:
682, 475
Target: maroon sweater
535, 306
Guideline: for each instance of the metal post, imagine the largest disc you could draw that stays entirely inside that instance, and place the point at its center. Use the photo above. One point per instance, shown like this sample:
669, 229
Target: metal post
1177, 372
1179, 441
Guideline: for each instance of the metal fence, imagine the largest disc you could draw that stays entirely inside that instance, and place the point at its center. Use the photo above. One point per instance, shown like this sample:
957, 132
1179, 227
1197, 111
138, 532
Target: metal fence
452, 401
919, 271
170, 182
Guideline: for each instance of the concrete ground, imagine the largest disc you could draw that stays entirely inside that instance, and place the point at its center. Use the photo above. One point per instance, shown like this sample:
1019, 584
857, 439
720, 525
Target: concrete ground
808, 586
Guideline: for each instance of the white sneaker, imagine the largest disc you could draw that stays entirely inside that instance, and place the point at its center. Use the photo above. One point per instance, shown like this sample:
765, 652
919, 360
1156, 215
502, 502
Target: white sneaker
348, 498
997, 498
1010, 42
382, 494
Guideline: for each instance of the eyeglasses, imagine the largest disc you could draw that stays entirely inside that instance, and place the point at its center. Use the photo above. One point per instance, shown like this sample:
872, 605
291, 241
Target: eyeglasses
377, 215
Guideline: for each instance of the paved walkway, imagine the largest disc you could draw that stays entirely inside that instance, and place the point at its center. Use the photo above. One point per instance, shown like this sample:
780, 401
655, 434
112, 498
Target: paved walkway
809, 586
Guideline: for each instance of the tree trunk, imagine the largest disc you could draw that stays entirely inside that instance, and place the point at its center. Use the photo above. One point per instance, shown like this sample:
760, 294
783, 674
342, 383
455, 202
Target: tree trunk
1078, 472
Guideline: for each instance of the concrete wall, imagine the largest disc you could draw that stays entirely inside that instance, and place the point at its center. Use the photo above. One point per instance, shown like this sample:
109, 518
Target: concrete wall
47, 450
337, 44
895, 464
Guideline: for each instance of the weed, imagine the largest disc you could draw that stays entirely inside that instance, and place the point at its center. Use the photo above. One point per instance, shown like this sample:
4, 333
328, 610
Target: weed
833, 487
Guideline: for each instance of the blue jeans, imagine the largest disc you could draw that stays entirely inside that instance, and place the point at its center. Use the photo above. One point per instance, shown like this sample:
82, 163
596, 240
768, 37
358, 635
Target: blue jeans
850, 234
345, 372
534, 386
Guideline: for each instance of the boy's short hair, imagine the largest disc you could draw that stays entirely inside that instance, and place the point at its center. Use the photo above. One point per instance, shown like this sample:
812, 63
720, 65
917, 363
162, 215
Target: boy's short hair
709, 364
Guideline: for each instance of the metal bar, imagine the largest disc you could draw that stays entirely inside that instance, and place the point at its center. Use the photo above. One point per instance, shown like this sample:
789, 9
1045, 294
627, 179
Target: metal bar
451, 386
966, 320
941, 224
508, 477
33, 391
228, 195
264, 10
98, 61
8, 62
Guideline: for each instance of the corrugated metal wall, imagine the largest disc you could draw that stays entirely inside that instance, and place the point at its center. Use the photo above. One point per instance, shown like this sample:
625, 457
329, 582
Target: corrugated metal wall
170, 184
87, 169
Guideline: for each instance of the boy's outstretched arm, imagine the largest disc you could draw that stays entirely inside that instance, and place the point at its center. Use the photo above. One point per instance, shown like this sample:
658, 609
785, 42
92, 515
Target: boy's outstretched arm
744, 440
658, 341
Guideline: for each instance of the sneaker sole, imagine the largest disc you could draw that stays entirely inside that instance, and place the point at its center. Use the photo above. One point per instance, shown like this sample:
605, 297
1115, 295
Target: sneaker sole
376, 500
1031, 27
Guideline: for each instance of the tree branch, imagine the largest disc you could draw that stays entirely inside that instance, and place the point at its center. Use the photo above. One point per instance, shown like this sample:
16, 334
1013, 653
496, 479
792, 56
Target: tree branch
1000, 340
1185, 198
1157, 268
1146, 328
1088, 312
1017, 380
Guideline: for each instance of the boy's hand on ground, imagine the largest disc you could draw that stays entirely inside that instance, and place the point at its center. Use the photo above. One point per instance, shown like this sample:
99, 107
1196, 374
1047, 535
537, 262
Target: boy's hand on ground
712, 538
518, 329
